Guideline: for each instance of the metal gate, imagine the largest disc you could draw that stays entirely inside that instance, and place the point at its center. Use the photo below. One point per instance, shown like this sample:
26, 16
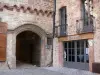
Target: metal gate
76, 54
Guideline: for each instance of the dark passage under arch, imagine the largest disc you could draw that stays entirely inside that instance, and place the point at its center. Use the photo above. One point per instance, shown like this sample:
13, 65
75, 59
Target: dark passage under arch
28, 48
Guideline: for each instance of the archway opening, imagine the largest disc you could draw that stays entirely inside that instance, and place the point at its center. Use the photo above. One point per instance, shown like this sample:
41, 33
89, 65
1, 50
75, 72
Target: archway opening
28, 48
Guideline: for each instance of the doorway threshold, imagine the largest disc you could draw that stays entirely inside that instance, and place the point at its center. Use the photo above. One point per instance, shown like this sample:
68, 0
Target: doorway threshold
22, 65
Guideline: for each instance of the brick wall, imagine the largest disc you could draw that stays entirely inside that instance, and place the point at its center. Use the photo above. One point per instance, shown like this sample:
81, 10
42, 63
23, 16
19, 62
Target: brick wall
73, 14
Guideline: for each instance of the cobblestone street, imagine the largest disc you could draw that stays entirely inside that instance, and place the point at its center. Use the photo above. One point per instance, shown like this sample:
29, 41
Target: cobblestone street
45, 71
49, 37
33, 71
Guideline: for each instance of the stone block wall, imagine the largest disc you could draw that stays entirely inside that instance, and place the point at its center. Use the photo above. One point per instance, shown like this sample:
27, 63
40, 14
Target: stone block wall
17, 13
73, 8
96, 13
73, 13
39, 4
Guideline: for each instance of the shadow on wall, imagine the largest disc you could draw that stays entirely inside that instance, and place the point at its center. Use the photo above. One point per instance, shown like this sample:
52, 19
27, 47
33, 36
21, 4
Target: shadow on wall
28, 48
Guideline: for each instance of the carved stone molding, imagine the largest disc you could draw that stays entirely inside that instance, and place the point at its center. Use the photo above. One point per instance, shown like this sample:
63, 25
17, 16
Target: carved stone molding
25, 8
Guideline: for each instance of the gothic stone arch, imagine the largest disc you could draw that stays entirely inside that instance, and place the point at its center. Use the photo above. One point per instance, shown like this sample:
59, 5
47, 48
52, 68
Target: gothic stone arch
11, 43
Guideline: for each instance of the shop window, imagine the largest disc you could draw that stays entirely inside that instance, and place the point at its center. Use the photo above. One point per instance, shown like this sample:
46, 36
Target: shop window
76, 51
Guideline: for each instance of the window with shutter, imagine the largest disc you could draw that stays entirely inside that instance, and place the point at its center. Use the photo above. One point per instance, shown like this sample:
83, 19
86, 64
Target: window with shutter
63, 18
85, 11
3, 30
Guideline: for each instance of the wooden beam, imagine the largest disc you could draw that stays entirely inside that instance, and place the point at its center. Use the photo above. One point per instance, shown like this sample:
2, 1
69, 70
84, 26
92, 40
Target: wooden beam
77, 37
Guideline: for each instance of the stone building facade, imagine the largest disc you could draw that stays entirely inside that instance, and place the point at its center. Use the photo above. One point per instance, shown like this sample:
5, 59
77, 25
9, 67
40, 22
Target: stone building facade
76, 42
31, 18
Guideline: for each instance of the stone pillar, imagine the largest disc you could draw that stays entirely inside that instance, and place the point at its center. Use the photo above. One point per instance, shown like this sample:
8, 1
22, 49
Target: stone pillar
43, 53
57, 53
91, 53
61, 58
11, 58
96, 14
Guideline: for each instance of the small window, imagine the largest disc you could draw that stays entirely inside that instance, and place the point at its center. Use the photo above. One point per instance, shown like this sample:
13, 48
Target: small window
0, 19
49, 41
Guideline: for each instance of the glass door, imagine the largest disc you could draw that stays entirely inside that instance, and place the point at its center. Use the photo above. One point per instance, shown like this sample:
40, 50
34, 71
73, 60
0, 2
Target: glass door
76, 54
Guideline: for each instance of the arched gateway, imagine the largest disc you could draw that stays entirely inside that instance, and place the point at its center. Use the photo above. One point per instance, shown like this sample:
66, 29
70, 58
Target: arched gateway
26, 44
28, 48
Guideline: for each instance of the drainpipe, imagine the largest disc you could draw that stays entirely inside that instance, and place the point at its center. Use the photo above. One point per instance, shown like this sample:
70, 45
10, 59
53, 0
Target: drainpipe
54, 17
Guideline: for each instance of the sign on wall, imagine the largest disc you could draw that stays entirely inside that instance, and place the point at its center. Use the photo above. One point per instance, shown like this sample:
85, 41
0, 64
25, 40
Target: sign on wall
74, 37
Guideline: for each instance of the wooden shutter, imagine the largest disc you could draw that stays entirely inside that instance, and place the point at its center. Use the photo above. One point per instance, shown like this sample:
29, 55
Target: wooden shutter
3, 30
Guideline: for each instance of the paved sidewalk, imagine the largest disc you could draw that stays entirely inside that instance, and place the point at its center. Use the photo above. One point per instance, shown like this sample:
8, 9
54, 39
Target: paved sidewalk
69, 71
33, 71
45, 71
